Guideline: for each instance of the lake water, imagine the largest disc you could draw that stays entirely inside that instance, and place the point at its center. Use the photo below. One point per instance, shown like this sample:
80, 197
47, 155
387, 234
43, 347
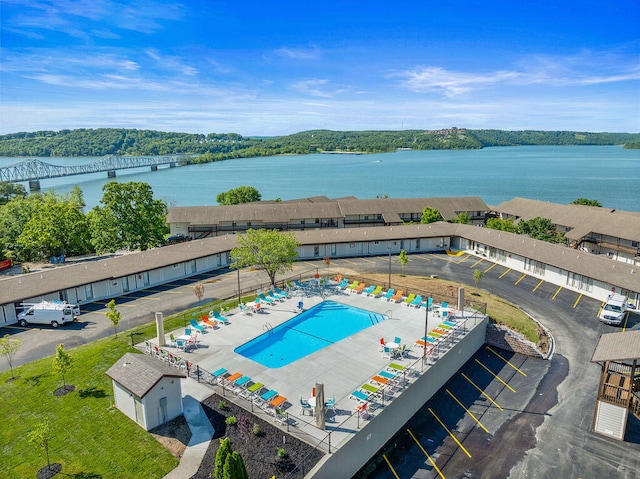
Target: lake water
559, 174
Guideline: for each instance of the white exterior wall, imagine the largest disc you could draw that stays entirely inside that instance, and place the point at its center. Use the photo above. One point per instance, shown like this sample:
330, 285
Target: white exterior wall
125, 402
170, 388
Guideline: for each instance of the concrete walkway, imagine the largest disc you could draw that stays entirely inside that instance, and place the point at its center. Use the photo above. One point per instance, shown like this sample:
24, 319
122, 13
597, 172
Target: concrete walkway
201, 429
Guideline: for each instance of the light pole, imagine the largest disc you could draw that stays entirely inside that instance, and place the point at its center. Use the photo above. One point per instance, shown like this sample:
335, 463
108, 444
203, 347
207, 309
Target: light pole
424, 346
239, 298
389, 248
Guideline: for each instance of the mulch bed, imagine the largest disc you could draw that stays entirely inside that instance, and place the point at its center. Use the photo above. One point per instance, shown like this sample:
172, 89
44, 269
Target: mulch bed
47, 472
259, 452
61, 391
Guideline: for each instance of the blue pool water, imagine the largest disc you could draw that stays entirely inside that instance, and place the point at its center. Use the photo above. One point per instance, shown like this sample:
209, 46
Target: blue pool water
310, 331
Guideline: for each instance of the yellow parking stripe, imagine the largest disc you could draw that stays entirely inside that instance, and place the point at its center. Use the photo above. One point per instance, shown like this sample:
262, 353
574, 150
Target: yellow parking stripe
467, 411
481, 391
463, 259
142, 297
496, 376
423, 258
426, 454
506, 361
476, 263
521, 278
450, 433
576, 303
626, 319
504, 274
163, 292
390, 467
347, 261
491, 267
367, 260
537, 285
556, 293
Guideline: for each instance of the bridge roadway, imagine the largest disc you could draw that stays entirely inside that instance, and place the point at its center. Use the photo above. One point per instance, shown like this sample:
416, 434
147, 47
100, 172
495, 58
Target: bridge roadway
32, 170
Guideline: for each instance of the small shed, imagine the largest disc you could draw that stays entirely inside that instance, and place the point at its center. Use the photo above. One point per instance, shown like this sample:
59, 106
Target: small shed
619, 390
146, 389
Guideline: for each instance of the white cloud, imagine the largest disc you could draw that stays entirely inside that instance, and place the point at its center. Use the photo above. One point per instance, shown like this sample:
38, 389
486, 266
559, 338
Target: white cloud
312, 53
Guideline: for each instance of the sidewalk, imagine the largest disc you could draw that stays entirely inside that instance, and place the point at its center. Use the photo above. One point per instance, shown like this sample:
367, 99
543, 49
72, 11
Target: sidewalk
201, 429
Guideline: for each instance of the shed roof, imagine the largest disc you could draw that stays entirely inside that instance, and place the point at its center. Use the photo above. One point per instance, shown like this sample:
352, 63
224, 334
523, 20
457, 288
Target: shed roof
139, 373
617, 347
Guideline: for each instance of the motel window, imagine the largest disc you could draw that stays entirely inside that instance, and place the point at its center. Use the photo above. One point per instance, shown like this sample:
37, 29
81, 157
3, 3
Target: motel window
418, 244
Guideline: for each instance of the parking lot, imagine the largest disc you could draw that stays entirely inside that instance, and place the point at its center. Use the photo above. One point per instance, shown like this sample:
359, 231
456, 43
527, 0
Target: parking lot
543, 429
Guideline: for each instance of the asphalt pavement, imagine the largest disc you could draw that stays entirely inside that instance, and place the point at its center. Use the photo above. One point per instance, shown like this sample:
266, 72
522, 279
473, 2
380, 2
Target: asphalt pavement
547, 431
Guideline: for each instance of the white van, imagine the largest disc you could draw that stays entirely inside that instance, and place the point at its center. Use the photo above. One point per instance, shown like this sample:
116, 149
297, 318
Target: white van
614, 310
48, 312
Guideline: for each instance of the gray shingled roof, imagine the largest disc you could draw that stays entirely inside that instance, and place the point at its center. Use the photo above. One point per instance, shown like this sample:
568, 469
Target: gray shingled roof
322, 207
617, 347
138, 373
623, 275
580, 218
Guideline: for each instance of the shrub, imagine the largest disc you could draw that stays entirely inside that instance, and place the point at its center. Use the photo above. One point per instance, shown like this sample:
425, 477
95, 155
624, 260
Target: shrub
256, 430
281, 453
222, 405
231, 421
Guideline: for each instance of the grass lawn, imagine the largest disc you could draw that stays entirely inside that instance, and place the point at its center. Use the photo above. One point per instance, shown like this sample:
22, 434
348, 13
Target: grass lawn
90, 438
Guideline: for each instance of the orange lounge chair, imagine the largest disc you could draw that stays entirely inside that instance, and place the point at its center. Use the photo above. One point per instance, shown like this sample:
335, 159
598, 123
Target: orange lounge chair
277, 401
359, 288
396, 297
207, 322
231, 379
379, 379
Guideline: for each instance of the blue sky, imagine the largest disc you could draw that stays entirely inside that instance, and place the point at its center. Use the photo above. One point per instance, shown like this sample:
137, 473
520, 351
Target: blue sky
275, 68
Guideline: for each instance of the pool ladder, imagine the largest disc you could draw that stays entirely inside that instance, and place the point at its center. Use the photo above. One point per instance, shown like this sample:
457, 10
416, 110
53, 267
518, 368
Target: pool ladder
267, 327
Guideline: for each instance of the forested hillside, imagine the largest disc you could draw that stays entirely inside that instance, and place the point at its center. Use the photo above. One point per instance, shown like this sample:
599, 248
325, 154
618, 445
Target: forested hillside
220, 146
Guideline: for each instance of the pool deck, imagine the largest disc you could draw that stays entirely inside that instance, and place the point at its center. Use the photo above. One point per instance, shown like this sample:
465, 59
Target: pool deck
342, 367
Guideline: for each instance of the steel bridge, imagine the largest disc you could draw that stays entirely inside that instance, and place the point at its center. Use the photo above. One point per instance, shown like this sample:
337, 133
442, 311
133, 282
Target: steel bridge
35, 170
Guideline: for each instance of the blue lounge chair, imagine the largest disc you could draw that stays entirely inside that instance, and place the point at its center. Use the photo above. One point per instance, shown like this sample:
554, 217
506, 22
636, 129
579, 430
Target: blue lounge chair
375, 292
298, 284
276, 296
389, 294
282, 293
217, 376
196, 326
417, 302
263, 400
220, 318
359, 395
343, 284
368, 289
265, 299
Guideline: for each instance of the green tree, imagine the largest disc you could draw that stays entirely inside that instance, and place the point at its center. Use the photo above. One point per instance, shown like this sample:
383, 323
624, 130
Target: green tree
56, 228
13, 217
462, 218
128, 218
9, 191
271, 250
114, 315
500, 224
224, 450
234, 467
403, 259
586, 202
430, 215
8, 349
477, 277
41, 436
542, 229
62, 362
242, 194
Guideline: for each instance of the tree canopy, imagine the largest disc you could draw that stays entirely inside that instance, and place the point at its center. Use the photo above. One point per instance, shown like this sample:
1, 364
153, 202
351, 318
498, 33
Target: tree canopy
542, 229
271, 250
128, 217
586, 202
430, 215
242, 194
501, 224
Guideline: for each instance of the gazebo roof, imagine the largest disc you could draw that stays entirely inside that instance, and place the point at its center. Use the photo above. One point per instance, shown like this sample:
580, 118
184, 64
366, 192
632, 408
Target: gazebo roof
139, 373
617, 347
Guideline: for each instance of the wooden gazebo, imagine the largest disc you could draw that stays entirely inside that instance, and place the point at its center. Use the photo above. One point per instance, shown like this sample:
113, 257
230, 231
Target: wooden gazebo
619, 391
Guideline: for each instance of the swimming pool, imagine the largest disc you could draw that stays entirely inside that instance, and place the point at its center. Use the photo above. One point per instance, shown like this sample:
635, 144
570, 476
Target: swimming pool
314, 329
